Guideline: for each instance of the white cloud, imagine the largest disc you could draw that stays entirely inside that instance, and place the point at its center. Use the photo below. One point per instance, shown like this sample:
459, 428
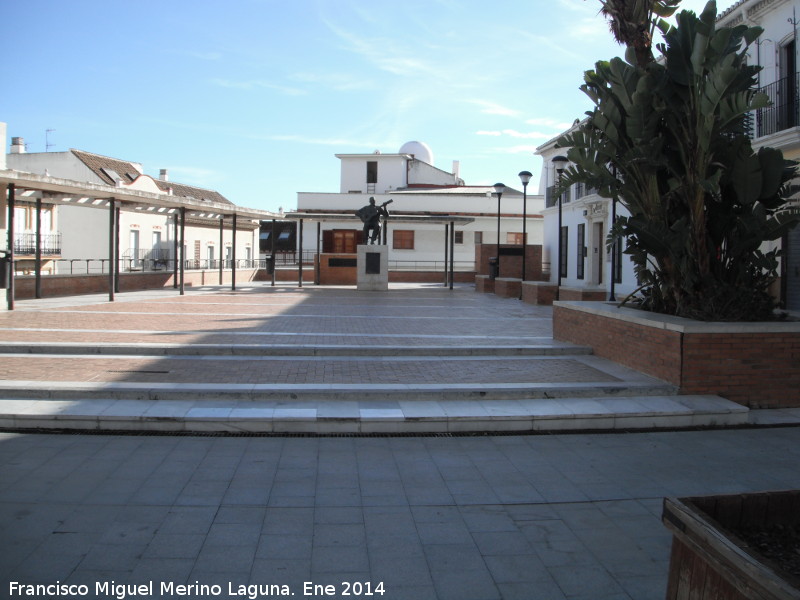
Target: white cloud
492, 108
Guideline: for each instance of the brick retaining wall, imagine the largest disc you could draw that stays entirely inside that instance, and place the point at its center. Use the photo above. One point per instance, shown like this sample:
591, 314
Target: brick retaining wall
754, 364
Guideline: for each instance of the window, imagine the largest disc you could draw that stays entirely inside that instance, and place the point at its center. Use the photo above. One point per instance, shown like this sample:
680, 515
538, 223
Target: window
617, 250
372, 171
459, 237
478, 237
564, 247
402, 239
580, 249
514, 238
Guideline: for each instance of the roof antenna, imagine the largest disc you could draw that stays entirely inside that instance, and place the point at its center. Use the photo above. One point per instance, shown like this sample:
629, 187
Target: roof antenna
47, 144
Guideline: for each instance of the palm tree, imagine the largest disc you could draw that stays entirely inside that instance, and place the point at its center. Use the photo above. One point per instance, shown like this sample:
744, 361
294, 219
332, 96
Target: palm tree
633, 23
667, 139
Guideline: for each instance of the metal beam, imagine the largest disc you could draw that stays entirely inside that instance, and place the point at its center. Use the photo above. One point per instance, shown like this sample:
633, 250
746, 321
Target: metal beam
221, 247
10, 255
183, 248
112, 238
38, 259
233, 252
452, 251
300, 253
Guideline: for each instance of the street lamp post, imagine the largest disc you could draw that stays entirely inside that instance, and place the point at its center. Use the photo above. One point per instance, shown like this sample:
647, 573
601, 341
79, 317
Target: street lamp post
499, 188
525, 177
560, 163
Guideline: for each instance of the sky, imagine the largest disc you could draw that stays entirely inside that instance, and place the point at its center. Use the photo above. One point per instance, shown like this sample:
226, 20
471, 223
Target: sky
253, 98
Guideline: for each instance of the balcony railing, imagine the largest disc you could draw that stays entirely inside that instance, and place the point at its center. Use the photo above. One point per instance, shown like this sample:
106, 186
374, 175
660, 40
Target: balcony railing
783, 111
25, 244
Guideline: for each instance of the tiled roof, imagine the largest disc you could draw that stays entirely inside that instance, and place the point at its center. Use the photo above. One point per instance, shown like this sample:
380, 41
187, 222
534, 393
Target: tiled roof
127, 171
188, 191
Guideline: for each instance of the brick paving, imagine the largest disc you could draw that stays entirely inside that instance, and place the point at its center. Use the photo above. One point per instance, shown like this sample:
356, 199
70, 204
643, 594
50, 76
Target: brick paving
276, 316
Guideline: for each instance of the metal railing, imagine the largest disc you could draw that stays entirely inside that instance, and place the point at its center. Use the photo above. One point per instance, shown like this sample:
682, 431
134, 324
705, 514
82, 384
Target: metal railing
783, 111
25, 244
96, 266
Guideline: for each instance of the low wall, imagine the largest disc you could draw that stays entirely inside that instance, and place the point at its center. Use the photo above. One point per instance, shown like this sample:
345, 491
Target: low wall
507, 287
754, 364
538, 292
74, 285
511, 260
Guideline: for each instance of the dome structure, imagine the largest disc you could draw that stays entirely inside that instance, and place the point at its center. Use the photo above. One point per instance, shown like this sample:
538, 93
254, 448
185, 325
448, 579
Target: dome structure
420, 151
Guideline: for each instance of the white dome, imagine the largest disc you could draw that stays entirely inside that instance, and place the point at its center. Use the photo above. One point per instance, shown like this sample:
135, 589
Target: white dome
420, 150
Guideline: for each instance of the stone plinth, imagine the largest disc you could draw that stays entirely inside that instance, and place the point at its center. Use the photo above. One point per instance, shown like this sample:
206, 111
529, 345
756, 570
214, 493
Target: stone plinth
373, 268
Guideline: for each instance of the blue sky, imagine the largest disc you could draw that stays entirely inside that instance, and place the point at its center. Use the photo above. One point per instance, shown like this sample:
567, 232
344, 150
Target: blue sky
254, 97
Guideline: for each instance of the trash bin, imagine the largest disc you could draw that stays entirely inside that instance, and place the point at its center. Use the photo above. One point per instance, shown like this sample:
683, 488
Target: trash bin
494, 267
270, 264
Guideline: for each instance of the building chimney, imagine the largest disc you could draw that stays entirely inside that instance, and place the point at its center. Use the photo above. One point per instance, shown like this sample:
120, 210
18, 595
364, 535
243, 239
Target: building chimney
163, 175
457, 169
17, 145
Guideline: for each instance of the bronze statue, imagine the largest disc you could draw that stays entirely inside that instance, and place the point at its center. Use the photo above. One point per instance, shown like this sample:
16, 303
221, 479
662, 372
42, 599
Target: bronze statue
371, 215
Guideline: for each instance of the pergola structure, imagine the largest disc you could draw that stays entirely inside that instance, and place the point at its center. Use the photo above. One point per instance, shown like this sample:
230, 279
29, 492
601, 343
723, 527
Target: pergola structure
449, 221
52, 190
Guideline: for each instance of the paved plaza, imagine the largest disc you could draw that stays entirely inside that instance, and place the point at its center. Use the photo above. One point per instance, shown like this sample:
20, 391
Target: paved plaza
537, 517
220, 511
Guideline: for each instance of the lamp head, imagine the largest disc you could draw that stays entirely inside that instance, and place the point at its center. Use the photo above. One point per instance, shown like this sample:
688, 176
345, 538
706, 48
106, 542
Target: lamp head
560, 163
499, 188
525, 177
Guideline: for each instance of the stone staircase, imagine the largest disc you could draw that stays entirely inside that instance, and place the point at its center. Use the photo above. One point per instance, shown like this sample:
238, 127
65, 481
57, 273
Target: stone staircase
322, 389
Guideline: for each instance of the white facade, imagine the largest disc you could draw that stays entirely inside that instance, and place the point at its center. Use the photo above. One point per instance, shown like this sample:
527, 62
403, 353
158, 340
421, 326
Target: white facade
586, 221
145, 235
418, 188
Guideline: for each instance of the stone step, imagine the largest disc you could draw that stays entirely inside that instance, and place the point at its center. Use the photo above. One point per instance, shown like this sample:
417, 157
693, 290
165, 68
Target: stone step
374, 417
372, 392
151, 349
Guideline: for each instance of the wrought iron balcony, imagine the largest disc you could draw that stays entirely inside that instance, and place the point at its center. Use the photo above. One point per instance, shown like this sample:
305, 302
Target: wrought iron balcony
25, 244
783, 112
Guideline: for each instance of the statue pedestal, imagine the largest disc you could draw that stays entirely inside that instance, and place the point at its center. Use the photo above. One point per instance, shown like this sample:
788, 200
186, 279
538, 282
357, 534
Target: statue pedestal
373, 268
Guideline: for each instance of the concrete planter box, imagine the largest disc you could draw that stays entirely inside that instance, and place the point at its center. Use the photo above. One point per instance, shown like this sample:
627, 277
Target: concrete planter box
754, 364
711, 557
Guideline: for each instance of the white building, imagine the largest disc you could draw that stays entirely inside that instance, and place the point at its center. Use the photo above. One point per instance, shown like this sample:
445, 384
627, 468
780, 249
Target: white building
72, 240
417, 188
777, 126
586, 217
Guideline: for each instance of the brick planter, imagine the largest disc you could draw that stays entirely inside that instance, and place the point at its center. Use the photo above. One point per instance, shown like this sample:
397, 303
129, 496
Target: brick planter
754, 364
710, 559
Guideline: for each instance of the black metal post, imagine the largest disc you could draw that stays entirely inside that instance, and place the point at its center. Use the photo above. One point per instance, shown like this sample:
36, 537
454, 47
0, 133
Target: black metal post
612, 297
446, 249
233, 252
10, 255
116, 250
272, 251
524, 230
300, 253
112, 237
175, 253
38, 260
452, 250
221, 247
560, 244
317, 259
183, 250
497, 272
